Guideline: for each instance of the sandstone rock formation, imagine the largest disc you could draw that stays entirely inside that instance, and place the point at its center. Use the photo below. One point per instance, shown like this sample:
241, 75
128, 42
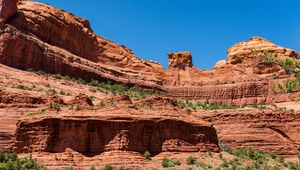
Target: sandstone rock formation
93, 136
8, 8
180, 60
68, 46
268, 130
248, 77
37, 114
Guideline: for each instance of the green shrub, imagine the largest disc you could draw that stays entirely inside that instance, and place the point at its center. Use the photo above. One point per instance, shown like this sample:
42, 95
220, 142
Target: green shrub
298, 75
248, 153
55, 106
270, 59
147, 155
210, 154
191, 160
169, 163
93, 167
51, 91
62, 93
107, 167
10, 161
203, 165
289, 65
292, 86
22, 87
165, 162
225, 147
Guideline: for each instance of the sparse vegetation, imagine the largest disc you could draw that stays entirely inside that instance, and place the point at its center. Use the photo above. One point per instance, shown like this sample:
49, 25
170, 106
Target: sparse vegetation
68, 168
93, 167
244, 159
147, 155
10, 161
191, 160
22, 87
55, 106
51, 91
77, 107
107, 167
120, 168
290, 65
212, 106
43, 111
107, 87
271, 57
258, 160
289, 86
168, 163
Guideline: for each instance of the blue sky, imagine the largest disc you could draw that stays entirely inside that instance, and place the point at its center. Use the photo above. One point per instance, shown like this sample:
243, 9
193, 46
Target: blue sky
206, 28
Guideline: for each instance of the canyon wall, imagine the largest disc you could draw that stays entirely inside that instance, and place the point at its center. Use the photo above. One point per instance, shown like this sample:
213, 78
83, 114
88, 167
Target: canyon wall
95, 136
267, 130
41, 37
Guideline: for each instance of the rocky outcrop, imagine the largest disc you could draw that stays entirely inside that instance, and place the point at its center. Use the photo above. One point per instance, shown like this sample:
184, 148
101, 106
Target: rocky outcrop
236, 93
180, 60
267, 130
45, 38
8, 8
254, 52
94, 135
250, 76
13, 99
81, 99
42, 37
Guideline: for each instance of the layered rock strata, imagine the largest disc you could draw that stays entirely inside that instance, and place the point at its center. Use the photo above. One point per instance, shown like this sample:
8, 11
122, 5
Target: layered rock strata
93, 136
267, 130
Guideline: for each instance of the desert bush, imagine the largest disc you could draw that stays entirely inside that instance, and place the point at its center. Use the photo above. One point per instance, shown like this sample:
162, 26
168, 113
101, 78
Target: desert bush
202, 165
225, 147
107, 167
22, 87
292, 86
289, 65
248, 153
191, 160
10, 161
169, 163
147, 155
51, 91
93, 167
55, 106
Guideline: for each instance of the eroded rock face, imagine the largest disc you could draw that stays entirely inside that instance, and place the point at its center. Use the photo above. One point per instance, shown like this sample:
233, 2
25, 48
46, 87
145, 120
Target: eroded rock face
267, 130
180, 60
94, 136
45, 38
8, 8
253, 52
250, 75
